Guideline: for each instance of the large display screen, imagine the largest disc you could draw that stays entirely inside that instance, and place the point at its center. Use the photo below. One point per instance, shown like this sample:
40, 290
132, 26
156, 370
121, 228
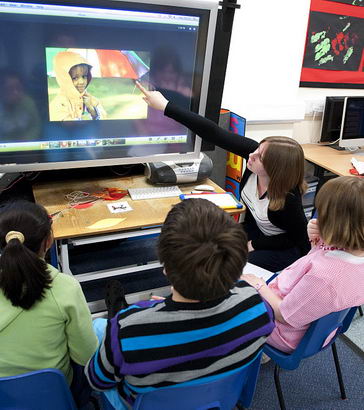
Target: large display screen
67, 80
352, 127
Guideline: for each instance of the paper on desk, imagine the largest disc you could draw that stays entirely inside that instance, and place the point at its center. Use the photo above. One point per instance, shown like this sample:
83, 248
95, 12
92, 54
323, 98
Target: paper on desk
117, 207
358, 165
105, 223
257, 271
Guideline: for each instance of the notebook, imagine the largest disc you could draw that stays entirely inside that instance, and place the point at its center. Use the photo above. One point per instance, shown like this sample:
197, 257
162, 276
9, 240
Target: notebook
225, 200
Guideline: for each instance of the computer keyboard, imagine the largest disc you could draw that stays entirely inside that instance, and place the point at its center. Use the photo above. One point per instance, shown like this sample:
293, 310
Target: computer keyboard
154, 192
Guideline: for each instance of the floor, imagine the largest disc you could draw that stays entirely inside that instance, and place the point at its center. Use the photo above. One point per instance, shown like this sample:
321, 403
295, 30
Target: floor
314, 385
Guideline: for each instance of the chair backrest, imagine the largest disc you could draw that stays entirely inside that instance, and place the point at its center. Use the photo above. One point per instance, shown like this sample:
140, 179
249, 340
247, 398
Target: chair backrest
222, 393
315, 337
39, 390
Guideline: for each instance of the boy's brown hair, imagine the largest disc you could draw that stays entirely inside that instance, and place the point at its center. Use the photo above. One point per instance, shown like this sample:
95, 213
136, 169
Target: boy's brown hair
203, 249
340, 207
283, 161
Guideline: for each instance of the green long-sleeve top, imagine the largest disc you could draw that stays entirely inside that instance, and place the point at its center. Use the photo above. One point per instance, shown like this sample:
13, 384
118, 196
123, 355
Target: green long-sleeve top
55, 330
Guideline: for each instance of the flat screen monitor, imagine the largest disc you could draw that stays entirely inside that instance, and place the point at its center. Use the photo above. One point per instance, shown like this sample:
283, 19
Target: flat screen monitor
67, 80
331, 119
352, 125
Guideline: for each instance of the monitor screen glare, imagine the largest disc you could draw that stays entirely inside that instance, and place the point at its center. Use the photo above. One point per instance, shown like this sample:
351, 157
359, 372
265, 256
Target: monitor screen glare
67, 78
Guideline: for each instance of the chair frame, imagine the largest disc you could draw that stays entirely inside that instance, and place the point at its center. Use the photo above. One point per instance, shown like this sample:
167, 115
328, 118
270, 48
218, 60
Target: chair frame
312, 343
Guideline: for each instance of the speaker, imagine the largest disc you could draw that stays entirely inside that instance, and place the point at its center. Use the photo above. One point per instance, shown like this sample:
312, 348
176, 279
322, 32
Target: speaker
170, 172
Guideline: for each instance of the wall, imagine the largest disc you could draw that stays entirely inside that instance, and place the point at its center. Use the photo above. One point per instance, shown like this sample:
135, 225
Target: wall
262, 79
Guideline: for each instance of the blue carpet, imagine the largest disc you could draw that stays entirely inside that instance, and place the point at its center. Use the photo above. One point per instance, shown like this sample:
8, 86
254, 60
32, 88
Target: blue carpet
314, 384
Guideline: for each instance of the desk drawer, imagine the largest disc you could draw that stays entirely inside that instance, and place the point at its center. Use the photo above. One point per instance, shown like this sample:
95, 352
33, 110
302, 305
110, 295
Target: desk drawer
136, 282
108, 255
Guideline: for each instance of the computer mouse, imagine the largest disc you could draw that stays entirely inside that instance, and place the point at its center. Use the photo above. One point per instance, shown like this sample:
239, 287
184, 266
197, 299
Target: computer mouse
204, 188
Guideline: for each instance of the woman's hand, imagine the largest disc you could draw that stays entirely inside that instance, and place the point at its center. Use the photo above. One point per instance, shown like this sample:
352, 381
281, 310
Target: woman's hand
250, 247
153, 98
313, 231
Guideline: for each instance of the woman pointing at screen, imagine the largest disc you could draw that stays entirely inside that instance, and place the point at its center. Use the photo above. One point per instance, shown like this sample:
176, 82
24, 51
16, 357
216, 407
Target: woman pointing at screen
271, 187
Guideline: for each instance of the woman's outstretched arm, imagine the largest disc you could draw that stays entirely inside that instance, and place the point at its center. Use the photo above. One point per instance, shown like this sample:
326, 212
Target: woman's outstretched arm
204, 128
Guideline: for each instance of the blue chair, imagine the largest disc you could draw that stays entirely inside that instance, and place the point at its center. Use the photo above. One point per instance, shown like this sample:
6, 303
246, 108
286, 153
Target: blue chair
39, 390
312, 343
235, 389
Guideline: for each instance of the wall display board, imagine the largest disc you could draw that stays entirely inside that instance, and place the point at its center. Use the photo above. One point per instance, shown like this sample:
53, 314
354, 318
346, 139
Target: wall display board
334, 51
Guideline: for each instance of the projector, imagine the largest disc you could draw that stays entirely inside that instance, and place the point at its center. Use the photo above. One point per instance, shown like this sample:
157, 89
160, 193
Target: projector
170, 172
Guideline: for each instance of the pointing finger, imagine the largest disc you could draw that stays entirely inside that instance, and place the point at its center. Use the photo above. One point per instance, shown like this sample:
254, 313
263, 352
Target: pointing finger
141, 88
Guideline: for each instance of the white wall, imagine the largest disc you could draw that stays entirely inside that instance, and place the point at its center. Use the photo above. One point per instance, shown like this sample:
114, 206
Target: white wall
264, 67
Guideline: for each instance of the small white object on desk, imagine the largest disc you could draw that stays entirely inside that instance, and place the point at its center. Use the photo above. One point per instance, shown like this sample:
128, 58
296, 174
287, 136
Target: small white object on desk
207, 188
117, 207
358, 165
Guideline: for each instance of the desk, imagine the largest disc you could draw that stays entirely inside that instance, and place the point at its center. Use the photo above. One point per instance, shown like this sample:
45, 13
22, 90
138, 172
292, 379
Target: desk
75, 227
324, 157
329, 159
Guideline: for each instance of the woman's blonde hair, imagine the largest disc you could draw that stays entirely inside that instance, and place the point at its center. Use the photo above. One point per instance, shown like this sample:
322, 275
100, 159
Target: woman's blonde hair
283, 160
340, 207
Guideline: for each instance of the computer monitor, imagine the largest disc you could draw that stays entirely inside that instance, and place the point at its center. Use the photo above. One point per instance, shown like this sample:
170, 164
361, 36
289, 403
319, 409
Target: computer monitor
352, 125
331, 119
67, 80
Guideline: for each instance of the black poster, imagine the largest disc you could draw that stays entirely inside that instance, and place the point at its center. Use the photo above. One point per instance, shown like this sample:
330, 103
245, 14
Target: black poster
334, 42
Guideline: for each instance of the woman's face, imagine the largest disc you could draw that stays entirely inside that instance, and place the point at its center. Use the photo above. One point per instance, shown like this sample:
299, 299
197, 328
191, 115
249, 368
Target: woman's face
255, 162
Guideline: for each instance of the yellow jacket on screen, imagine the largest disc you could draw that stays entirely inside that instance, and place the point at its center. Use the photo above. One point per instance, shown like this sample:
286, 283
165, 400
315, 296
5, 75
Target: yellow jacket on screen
68, 104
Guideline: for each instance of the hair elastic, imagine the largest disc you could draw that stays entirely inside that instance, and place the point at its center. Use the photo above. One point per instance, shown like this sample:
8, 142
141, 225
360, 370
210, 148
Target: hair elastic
14, 235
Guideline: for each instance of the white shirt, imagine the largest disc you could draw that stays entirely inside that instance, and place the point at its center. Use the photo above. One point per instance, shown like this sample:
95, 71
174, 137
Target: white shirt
258, 207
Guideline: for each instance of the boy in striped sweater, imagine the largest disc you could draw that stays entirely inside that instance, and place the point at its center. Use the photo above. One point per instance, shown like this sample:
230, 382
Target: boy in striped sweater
210, 326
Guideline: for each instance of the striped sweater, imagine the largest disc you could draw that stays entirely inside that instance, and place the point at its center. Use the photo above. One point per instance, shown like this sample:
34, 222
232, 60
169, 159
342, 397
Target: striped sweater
162, 343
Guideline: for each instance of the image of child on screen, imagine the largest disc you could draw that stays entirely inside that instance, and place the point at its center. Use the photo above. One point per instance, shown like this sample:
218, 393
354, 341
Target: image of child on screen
73, 102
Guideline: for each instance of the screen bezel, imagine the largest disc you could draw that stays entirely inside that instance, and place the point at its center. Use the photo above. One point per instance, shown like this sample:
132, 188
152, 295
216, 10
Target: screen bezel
349, 142
328, 119
211, 10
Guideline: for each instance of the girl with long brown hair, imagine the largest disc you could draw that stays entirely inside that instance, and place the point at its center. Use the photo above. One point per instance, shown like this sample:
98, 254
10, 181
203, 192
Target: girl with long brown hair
271, 188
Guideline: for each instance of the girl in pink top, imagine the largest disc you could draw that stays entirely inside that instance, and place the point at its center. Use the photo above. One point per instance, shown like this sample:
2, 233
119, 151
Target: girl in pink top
330, 277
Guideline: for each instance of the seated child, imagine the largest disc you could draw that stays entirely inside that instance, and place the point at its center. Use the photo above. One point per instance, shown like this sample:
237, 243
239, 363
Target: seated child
210, 325
45, 321
73, 75
331, 277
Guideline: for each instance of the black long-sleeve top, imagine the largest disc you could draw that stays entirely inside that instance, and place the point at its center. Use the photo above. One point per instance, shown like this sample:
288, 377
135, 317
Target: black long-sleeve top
291, 218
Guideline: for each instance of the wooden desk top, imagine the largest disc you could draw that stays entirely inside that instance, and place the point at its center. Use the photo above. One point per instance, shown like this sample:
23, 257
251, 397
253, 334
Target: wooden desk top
81, 222
333, 160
